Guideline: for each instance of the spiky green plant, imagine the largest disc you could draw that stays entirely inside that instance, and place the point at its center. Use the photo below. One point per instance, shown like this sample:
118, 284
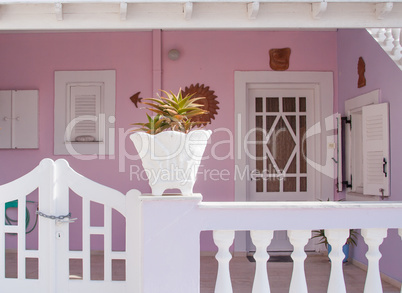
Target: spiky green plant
173, 112
323, 239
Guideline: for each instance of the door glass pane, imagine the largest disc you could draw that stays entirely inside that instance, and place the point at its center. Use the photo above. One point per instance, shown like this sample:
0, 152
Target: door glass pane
289, 104
302, 104
292, 167
281, 144
272, 104
270, 122
259, 148
292, 122
273, 185
303, 145
303, 183
258, 105
289, 184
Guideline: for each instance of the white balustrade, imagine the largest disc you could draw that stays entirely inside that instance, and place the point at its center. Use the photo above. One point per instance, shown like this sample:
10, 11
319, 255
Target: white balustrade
299, 239
261, 240
336, 238
223, 239
390, 41
373, 238
166, 248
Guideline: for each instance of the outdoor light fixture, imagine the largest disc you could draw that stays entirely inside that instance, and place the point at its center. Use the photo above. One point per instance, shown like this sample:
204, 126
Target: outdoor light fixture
174, 54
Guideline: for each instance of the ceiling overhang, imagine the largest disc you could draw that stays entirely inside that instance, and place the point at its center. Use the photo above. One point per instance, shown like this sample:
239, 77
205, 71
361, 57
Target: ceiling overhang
76, 15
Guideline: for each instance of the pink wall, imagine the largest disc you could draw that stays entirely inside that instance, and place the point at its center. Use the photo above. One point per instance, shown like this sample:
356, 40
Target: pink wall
381, 73
28, 61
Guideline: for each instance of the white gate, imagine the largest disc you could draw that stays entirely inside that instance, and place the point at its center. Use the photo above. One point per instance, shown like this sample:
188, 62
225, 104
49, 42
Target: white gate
53, 182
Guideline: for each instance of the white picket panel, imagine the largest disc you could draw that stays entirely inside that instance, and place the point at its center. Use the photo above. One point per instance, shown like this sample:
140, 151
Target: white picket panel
54, 180
39, 178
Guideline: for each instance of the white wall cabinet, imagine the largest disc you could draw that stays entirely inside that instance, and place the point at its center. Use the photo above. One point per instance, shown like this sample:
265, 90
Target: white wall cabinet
19, 119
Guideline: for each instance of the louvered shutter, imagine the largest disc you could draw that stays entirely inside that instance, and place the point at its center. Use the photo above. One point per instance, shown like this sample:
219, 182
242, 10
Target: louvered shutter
85, 107
375, 149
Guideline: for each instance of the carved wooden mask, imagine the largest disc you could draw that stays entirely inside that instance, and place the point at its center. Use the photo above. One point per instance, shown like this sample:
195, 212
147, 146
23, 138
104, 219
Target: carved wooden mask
279, 59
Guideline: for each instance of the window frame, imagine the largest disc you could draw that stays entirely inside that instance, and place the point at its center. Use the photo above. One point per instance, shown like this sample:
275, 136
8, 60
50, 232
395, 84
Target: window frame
106, 120
353, 108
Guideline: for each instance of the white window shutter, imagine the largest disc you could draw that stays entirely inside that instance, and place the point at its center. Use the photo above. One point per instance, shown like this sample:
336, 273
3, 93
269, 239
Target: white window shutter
376, 149
5, 119
85, 107
25, 123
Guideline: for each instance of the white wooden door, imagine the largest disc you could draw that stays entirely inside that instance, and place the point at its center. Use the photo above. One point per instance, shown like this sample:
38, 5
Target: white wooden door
278, 122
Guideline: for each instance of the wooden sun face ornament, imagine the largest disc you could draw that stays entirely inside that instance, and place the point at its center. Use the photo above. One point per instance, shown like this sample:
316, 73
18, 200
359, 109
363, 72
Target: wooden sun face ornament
279, 59
209, 103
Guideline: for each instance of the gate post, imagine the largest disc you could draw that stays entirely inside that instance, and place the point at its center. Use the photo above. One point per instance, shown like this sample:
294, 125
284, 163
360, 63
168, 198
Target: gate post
170, 240
133, 242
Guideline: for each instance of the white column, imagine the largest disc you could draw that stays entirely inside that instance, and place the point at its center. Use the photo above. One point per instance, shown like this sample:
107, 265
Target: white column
261, 240
387, 44
381, 35
373, 238
400, 235
299, 239
223, 239
396, 50
337, 238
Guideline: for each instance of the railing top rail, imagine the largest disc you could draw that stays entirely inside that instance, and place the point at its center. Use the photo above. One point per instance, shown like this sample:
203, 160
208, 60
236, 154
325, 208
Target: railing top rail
181, 1
300, 205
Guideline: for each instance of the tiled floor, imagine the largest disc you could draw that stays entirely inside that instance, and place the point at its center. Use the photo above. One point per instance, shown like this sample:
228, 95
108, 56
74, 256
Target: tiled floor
317, 268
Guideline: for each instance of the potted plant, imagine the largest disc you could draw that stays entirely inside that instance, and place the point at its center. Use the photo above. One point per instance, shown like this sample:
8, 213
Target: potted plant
170, 150
351, 240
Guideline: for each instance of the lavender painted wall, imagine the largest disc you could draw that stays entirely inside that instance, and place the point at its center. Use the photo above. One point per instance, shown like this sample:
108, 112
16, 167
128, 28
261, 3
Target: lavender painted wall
383, 74
28, 61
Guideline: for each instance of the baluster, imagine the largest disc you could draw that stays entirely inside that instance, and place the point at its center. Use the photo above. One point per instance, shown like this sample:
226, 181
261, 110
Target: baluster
381, 35
396, 51
223, 239
299, 239
387, 44
374, 32
373, 238
261, 240
337, 238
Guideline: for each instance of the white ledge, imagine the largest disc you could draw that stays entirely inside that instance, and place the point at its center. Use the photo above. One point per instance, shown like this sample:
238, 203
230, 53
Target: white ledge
170, 197
300, 205
181, 1
38, 15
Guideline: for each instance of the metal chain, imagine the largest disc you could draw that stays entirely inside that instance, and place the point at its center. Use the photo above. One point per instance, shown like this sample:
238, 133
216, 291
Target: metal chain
53, 217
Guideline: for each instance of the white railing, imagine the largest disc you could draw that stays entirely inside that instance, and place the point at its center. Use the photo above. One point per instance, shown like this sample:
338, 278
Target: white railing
170, 244
163, 236
390, 41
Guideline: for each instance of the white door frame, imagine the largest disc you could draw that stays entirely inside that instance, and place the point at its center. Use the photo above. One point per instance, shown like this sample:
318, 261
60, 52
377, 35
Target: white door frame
322, 83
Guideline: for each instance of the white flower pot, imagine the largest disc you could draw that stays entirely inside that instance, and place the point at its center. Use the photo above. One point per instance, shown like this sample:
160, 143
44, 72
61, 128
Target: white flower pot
171, 159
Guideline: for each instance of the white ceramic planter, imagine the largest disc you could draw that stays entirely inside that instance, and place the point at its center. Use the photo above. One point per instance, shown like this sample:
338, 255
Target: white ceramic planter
171, 159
